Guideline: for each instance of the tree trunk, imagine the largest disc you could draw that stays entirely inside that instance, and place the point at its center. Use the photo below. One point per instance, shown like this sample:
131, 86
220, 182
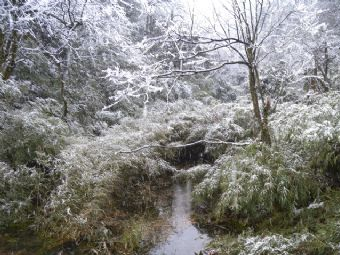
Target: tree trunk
10, 65
314, 81
62, 92
265, 135
254, 96
8, 51
2, 49
325, 71
262, 120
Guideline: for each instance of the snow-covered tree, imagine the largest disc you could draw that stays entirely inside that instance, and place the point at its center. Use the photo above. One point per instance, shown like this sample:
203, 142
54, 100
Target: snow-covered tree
67, 35
153, 51
239, 33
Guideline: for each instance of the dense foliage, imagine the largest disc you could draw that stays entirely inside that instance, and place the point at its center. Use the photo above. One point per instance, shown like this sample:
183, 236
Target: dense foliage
105, 104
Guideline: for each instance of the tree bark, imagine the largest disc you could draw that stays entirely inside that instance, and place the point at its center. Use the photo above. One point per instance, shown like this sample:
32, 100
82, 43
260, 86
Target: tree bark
62, 92
254, 96
10, 65
8, 50
261, 120
265, 135
2, 49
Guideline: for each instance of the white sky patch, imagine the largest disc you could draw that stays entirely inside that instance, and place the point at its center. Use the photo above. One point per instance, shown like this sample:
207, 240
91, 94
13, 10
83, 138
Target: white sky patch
205, 11
208, 14
202, 8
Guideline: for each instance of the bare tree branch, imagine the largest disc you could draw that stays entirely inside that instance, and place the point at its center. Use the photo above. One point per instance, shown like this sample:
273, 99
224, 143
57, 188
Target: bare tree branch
207, 40
176, 73
179, 146
198, 53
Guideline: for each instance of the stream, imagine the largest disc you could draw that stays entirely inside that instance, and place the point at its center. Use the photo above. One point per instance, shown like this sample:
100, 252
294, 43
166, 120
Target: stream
181, 238
184, 238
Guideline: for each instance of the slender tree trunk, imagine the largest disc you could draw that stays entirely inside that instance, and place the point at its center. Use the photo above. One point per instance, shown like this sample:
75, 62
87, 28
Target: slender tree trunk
325, 70
326, 63
262, 120
265, 135
254, 96
2, 49
8, 50
252, 84
314, 81
62, 91
65, 106
150, 24
10, 65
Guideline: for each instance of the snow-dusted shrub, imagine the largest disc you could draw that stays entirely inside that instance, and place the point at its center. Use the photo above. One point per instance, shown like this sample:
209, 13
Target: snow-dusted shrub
9, 92
317, 118
273, 244
47, 107
255, 182
22, 192
195, 173
312, 130
178, 91
259, 180
101, 189
191, 121
139, 175
250, 243
233, 126
225, 130
16, 93
24, 135
111, 118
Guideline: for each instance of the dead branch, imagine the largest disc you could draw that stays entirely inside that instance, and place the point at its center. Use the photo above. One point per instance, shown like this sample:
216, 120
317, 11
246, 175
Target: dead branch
177, 73
207, 40
179, 146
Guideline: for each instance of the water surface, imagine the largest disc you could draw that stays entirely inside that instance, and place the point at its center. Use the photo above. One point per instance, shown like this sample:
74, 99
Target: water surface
185, 238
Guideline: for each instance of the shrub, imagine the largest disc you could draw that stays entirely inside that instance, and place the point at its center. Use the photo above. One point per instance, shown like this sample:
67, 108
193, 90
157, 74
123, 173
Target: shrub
22, 193
24, 136
101, 190
312, 130
250, 244
255, 182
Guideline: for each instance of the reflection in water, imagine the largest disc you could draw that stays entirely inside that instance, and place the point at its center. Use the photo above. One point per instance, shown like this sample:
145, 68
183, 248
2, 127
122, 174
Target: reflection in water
185, 238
